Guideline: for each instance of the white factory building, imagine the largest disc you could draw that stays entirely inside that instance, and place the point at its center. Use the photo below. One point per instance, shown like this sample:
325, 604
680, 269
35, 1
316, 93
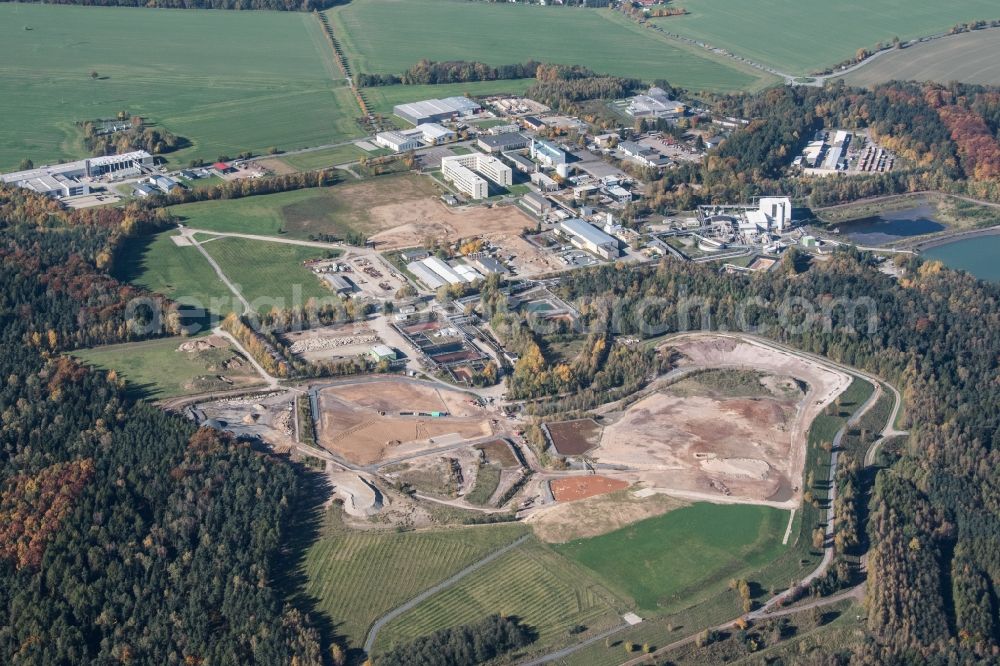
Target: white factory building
435, 272
466, 173
547, 153
771, 214
397, 142
434, 110
588, 237
64, 180
654, 104
430, 134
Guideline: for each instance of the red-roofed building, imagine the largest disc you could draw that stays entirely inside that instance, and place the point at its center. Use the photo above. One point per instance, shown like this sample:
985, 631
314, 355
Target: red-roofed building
221, 167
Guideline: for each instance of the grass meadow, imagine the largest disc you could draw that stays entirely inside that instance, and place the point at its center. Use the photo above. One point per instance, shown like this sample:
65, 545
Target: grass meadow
227, 81
661, 561
334, 210
801, 36
328, 157
155, 369
268, 274
532, 583
156, 263
356, 576
389, 37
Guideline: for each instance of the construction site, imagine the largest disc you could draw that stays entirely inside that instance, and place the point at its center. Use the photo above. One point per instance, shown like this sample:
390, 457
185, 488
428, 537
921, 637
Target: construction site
729, 424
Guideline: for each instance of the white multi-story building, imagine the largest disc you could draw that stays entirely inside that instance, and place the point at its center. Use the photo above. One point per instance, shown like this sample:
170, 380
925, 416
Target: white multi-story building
778, 211
466, 173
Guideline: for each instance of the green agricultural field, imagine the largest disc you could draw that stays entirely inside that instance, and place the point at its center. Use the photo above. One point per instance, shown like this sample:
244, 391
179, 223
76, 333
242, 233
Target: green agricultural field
158, 369
531, 582
226, 81
969, 57
179, 273
802, 36
390, 37
336, 210
268, 274
660, 562
356, 576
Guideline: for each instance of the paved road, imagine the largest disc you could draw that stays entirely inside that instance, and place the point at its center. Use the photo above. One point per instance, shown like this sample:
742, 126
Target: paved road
431, 591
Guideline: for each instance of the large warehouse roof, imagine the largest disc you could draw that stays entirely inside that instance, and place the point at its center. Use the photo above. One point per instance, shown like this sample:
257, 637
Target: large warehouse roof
587, 231
429, 108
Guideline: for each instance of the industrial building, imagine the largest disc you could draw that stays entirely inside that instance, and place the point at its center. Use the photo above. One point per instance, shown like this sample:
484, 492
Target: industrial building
536, 203
435, 110
547, 153
588, 237
543, 182
65, 180
339, 284
434, 134
397, 142
532, 123
430, 134
466, 173
521, 163
383, 353
486, 264
776, 212
429, 278
654, 104
643, 155
504, 129
164, 183
619, 193
498, 143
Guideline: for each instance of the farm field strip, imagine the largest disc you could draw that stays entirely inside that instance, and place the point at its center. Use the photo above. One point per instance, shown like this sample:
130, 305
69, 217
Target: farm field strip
391, 37
969, 57
209, 82
358, 576
531, 582
816, 33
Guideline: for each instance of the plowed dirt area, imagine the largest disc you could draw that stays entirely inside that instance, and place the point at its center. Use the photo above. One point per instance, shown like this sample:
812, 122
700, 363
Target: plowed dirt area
361, 421
410, 223
702, 441
582, 487
571, 438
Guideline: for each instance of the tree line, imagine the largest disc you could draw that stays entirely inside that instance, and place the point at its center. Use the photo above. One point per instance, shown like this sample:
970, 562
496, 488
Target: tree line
428, 72
129, 534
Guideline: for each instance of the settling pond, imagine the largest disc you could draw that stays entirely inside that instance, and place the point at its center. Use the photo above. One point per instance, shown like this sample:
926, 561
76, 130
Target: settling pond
979, 255
892, 226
